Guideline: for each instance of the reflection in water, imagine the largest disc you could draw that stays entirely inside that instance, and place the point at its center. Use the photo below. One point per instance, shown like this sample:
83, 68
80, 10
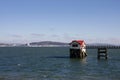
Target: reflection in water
81, 61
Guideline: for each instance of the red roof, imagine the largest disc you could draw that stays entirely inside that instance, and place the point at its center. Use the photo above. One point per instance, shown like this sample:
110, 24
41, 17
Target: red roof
79, 41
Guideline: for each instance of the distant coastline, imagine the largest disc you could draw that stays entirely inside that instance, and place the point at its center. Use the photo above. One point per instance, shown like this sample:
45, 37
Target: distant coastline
56, 44
36, 44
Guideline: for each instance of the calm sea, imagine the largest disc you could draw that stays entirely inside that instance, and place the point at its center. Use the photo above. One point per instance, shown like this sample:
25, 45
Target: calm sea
53, 63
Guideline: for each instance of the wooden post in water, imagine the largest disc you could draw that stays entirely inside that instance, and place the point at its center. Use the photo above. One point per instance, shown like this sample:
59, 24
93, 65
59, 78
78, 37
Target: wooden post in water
102, 52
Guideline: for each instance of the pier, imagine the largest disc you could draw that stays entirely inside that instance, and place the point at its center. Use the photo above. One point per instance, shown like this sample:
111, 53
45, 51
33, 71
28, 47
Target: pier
105, 46
78, 49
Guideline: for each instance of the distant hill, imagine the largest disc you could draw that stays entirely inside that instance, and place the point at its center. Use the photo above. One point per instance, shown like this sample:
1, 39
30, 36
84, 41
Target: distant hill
4, 44
56, 44
48, 43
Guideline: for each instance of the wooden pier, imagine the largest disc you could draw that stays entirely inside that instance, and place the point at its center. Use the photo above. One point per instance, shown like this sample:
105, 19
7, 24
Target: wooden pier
77, 53
78, 49
106, 46
102, 52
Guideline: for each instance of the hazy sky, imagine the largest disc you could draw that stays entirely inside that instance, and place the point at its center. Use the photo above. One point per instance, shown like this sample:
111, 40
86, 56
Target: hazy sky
59, 20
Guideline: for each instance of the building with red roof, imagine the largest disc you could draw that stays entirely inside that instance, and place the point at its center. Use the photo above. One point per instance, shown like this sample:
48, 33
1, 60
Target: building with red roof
78, 49
77, 44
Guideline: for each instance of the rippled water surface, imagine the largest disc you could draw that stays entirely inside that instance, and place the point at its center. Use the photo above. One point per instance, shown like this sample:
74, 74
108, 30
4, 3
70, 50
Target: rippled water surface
53, 63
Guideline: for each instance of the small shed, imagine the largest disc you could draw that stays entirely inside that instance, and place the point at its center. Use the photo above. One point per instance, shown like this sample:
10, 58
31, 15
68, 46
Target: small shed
78, 49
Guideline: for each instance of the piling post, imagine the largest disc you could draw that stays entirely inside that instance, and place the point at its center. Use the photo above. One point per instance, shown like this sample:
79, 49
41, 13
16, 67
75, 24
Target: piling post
102, 52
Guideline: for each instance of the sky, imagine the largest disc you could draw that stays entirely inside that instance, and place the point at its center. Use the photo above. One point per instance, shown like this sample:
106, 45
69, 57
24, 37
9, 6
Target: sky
95, 21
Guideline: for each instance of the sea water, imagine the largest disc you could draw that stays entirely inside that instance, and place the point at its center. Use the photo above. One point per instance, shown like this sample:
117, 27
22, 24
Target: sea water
53, 63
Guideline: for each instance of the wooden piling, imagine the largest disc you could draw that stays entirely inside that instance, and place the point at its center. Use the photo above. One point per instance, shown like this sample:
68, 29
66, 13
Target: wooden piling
77, 53
102, 52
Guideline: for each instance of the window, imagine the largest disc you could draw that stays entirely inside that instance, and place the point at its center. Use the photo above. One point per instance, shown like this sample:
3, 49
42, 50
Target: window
74, 45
